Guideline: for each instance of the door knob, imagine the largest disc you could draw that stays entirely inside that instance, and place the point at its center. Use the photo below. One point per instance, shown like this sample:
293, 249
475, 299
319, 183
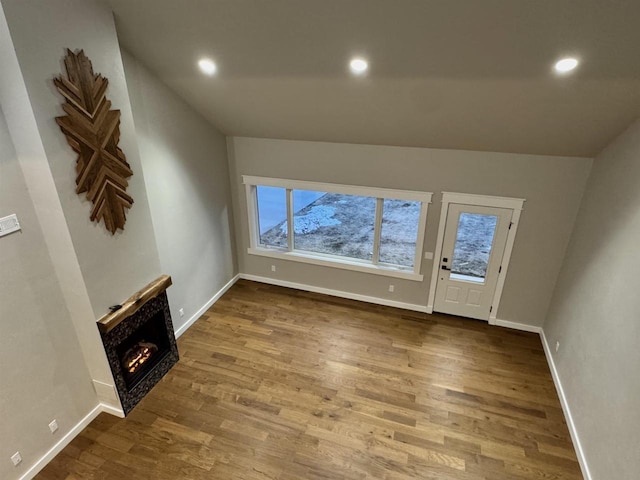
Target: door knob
444, 267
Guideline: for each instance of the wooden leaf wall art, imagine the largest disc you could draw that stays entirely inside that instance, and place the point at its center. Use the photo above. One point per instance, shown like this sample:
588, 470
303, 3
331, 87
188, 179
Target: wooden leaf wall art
93, 131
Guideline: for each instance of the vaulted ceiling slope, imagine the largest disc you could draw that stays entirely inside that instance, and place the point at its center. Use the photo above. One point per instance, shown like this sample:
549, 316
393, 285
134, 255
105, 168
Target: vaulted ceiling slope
472, 74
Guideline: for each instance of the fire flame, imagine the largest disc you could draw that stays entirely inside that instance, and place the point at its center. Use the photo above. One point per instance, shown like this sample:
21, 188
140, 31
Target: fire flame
138, 355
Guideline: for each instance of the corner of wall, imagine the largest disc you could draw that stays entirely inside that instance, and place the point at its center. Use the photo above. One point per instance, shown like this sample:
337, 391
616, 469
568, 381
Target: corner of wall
41, 187
233, 187
582, 460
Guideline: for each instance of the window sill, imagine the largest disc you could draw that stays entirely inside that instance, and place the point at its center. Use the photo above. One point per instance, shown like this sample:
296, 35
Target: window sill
334, 262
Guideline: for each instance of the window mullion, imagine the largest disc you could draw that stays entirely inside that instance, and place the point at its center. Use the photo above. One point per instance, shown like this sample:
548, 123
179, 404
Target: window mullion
377, 230
290, 230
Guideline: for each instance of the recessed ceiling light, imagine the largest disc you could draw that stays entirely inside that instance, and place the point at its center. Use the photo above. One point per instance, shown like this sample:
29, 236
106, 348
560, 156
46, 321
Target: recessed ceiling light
358, 66
207, 66
566, 65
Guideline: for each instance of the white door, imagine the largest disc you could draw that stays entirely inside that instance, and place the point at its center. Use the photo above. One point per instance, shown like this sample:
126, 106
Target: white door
472, 250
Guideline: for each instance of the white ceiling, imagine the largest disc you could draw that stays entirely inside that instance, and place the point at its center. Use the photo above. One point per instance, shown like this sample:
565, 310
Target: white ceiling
474, 74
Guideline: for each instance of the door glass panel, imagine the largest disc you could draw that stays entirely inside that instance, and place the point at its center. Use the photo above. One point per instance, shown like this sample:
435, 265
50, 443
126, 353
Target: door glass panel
474, 241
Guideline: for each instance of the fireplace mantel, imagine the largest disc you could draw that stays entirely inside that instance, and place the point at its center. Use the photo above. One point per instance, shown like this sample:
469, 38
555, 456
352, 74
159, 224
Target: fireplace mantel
109, 321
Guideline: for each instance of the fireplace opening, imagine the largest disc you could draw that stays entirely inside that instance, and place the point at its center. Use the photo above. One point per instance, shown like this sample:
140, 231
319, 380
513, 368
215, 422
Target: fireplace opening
143, 349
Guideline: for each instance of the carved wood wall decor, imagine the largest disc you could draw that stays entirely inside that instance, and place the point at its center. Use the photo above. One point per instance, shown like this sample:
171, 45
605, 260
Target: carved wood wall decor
93, 131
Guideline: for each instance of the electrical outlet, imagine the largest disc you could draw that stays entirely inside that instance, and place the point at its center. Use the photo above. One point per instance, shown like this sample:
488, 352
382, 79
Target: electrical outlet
391, 288
53, 426
16, 458
273, 268
557, 346
181, 312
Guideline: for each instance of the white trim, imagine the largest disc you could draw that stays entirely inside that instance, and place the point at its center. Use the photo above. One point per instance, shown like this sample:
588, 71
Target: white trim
337, 188
108, 396
459, 277
422, 228
337, 262
506, 257
63, 442
582, 459
117, 412
377, 231
515, 204
252, 213
183, 328
290, 221
437, 255
483, 200
517, 326
336, 293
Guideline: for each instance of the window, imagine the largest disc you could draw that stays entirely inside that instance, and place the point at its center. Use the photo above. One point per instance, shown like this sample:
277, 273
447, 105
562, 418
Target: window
334, 224
375, 230
272, 212
399, 235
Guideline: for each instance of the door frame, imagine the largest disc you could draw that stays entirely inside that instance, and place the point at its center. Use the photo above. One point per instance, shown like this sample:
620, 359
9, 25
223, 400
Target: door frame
515, 204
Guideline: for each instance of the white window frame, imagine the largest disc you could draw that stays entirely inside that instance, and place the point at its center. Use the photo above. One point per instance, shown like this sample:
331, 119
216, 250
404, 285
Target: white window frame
327, 260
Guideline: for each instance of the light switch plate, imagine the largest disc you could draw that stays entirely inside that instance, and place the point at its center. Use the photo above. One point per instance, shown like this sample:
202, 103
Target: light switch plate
53, 426
9, 225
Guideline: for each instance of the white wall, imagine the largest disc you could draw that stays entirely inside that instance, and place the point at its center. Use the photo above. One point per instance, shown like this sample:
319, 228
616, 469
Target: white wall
43, 374
595, 314
113, 267
41, 186
68, 276
553, 187
187, 178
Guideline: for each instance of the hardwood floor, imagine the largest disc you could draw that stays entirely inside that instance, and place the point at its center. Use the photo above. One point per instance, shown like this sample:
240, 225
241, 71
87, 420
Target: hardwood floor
275, 383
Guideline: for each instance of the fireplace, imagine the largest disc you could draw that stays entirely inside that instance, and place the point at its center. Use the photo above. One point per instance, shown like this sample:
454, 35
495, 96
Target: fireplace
139, 341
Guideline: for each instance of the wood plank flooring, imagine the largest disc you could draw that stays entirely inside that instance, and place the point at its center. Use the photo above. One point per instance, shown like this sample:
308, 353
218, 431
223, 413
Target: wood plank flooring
275, 383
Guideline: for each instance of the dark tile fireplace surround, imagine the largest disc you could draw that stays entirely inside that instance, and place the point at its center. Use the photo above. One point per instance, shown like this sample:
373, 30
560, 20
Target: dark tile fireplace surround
140, 343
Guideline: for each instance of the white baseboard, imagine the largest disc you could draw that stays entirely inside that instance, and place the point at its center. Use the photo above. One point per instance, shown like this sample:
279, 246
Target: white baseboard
110, 409
335, 293
63, 442
516, 326
565, 408
108, 397
206, 306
